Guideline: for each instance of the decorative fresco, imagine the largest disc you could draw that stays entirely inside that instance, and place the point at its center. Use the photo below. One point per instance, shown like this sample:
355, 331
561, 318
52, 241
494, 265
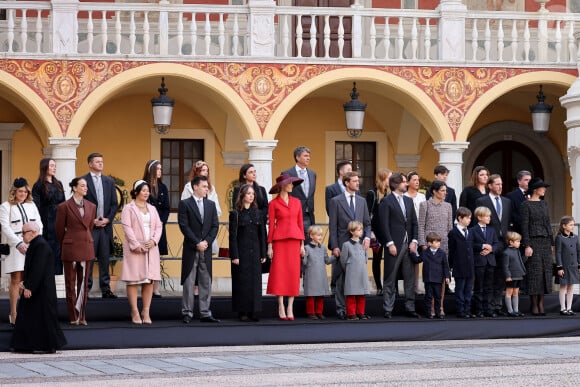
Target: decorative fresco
64, 85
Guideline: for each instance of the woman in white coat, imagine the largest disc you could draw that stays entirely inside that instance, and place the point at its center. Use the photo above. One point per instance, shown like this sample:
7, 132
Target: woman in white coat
17, 210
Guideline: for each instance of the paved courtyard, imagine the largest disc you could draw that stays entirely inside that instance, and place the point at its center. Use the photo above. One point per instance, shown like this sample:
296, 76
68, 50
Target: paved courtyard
490, 362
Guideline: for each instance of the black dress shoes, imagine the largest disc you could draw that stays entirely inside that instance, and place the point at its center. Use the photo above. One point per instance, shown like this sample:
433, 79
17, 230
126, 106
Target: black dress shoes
209, 319
341, 316
412, 314
109, 294
463, 315
186, 319
490, 314
388, 315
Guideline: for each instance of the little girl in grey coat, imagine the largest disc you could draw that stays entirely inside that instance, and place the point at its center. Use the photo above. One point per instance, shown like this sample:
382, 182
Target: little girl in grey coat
353, 259
315, 278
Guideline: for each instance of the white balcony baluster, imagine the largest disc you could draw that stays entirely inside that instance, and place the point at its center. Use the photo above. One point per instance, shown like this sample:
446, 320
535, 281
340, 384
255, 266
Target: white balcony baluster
118, 32
487, 41
221, 32
500, 43
132, 35
474, 40
340, 37
558, 42
207, 30
38, 35
236, 36
312, 36
299, 36
193, 34
104, 32
571, 43
527, 41
400, 39
515, 41
90, 32
387, 38
428, 39
414, 39
373, 38
23, 31
146, 36
327, 36
286, 36
179, 33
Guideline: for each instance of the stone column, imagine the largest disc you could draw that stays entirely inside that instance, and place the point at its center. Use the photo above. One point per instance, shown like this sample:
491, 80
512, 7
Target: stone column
571, 102
260, 154
64, 26
452, 30
262, 40
451, 155
64, 153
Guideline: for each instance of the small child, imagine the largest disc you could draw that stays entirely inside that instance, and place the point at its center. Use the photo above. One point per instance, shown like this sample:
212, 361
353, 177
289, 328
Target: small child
435, 274
353, 259
461, 262
485, 245
315, 278
567, 263
514, 271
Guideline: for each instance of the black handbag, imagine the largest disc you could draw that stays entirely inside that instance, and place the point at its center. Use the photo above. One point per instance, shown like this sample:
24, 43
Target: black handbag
4, 249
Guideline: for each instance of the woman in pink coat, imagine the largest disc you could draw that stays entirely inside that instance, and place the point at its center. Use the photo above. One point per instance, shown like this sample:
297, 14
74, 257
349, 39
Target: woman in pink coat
141, 264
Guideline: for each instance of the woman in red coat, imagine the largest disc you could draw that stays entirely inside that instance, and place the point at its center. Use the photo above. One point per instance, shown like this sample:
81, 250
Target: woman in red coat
74, 232
285, 244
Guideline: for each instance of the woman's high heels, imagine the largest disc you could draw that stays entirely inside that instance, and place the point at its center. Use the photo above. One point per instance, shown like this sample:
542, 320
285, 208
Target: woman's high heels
282, 313
145, 318
136, 318
11, 322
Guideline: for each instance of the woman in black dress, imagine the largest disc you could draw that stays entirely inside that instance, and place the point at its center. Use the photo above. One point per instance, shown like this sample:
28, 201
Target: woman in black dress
247, 252
158, 198
47, 194
477, 189
539, 244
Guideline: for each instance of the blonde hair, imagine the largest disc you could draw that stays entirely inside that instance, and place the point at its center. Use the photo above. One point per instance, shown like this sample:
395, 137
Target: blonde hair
12, 195
354, 225
315, 230
382, 182
512, 236
482, 211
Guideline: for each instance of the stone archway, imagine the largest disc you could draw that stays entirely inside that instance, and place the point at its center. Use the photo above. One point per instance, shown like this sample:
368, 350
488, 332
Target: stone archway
548, 154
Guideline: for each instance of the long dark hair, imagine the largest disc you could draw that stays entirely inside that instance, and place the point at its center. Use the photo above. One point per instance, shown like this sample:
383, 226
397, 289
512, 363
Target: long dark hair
150, 176
42, 176
240, 201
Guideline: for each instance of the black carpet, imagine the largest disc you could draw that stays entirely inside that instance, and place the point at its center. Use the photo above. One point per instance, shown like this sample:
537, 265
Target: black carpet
110, 326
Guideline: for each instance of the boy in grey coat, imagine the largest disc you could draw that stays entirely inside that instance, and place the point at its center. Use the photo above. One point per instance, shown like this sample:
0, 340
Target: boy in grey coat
353, 259
514, 271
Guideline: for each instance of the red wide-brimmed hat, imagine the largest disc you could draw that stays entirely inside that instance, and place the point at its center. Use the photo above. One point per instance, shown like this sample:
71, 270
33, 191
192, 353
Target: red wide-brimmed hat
284, 179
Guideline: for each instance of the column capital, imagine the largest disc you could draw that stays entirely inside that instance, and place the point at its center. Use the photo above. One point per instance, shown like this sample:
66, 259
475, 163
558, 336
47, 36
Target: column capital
260, 154
7, 130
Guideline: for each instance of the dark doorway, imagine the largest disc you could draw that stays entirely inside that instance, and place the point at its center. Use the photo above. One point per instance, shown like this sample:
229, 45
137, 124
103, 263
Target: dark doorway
334, 24
507, 158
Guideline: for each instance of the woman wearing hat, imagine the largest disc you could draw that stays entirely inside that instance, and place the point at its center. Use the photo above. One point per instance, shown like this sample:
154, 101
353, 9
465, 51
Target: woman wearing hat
75, 219
17, 210
141, 262
285, 244
539, 243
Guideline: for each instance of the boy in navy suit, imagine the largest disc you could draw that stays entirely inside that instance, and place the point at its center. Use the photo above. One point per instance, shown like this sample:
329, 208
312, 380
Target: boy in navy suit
461, 262
485, 246
435, 273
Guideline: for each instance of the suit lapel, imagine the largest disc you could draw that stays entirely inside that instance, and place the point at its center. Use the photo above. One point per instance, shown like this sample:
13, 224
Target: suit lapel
345, 205
72, 207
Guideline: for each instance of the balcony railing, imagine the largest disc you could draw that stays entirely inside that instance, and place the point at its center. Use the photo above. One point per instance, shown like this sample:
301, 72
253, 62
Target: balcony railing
159, 31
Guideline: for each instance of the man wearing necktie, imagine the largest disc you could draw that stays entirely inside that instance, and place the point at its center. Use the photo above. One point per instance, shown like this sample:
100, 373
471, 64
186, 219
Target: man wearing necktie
101, 192
500, 208
305, 193
343, 209
198, 222
398, 231
517, 197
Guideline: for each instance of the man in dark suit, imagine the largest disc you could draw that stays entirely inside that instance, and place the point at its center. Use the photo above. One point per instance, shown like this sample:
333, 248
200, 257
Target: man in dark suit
440, 173
304, 193
198, 222
518, 196
332, 191
398, 233
500, 208
343, 209
101, 192
342, 168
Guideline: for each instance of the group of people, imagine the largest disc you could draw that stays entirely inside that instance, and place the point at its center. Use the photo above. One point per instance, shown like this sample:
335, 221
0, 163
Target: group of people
489, 243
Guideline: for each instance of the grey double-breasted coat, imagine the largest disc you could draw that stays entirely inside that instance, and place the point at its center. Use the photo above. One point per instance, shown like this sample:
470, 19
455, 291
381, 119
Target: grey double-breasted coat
314, 264
353, 259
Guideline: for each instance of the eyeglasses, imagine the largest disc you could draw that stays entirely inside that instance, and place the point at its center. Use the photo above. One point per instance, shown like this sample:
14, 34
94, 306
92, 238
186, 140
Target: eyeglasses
24, 232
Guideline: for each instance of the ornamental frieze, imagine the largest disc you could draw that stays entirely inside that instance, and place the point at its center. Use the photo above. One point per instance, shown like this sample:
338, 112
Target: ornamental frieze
64, 85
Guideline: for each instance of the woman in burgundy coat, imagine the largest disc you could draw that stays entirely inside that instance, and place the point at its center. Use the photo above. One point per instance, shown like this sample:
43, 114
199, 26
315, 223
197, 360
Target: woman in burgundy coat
285, 244
74, 231
143, 228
